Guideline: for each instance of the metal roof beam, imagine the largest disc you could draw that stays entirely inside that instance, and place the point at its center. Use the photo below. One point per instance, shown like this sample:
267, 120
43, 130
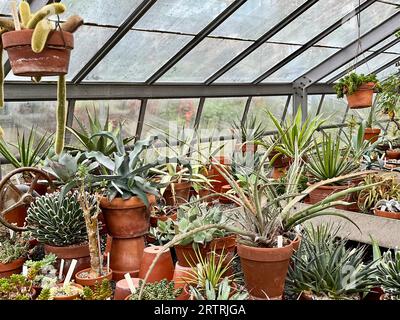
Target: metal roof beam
196, 40
387, 65
260, 41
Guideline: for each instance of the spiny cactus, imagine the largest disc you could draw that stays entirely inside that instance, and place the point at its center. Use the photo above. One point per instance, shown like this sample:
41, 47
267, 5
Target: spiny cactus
163, 290
57, 221
61, 114
12, 248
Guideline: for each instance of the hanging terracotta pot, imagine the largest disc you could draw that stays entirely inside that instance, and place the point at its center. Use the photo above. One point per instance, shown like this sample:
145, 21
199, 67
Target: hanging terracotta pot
371, 134
164, 268
52, 61
182, 192
13, 267
265, 269
387, 214
80, 252
81, 277
363, 97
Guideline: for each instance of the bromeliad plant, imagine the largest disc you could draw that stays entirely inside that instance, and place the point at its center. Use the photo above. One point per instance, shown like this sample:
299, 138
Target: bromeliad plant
323, 268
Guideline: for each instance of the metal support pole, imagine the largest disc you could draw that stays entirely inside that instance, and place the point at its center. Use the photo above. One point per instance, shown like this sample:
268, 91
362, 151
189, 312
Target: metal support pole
70, 119
140, 123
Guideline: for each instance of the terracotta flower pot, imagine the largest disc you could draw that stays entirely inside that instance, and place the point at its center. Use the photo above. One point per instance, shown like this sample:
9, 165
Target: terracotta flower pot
387, 214
371, 134
82, 279
186, 254
296, 243
122, 290
17, 216
52, 61
126, 218
225, 189
164, 268
265, 269
71, 297
154, 219
214, 174
13, 267
181, 275
182, 192
392, 154
322, 192
79, 252
362, 98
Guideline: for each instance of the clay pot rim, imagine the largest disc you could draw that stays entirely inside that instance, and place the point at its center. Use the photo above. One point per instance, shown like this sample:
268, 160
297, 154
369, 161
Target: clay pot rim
284, 252
180, 185
120, 203
12, 265
77, 275
372, 130
78, 250
71, 296
385, 214
330, 187
10, 40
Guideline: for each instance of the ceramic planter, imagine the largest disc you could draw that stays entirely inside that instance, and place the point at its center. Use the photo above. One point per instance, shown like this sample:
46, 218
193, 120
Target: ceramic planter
79, 252
265, 269
71, 297
371, 134
122, 290
387, 214
126, 218
14, 267
182, 192
164, 268
52, 61
362, 98
91, 282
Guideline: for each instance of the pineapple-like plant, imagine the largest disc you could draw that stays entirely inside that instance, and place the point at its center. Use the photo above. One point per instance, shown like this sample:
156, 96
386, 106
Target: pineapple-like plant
56, 220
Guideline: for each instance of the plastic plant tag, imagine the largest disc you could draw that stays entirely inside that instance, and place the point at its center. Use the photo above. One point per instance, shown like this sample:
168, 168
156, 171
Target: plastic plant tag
24, 270
130, 283
280, 241
60, 273
69, 273
108, 262
11, 233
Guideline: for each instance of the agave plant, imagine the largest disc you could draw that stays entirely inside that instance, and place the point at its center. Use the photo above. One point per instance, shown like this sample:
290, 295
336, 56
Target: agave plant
323, 268
391, 205
252, 129
295, 135
388, 274
223, 291
30, 152
90, 140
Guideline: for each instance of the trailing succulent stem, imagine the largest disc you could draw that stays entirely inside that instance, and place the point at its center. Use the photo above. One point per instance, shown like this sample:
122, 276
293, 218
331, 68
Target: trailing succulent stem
43, 13
61, 114
40, 35
24, 12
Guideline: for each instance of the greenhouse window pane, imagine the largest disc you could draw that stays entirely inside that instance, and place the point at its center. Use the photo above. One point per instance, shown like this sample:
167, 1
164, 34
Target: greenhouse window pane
313, 103
23, 115
274, 104
300, 65
387, 72
121, 111
383, 43
218, 115
394, 49
375, 63
258, 62
188, 16
370, 18
315, 20
100, 11
170, 116
332, 108
137, 56
206, 58
256, 17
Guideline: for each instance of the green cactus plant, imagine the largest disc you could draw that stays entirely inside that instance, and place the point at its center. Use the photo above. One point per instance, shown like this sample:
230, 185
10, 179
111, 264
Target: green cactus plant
61, 115
163, 290
56, 220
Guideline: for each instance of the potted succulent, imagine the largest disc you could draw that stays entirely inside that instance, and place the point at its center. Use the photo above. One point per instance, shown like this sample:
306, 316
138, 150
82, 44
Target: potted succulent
388, 209
57, 221
36, 48
388, 275
71, 291
324, 268
248, 133
161, 211
42, 273
162, 290
16, 287
13, 252
101, 291
223, 291
358, 88
371, 134
328, 161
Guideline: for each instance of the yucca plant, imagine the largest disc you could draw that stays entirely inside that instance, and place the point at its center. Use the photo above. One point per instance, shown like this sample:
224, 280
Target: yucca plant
295, 135
89, 139
250, 130
323, 268
28, 151
388, 274
56, 220
328, 160
223, 291
359, 146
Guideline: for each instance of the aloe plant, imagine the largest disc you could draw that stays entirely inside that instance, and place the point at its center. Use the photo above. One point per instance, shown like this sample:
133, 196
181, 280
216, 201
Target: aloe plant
29, 151
388, 274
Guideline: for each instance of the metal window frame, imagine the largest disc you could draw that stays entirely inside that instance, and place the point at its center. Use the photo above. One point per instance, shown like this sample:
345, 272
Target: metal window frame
215, 23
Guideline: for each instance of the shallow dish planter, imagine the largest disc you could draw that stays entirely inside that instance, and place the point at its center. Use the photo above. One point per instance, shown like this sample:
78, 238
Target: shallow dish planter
265, 269
372, 134
362, 97
14, 267
387, 214
52, 61
182, 193
77, 291
82, 278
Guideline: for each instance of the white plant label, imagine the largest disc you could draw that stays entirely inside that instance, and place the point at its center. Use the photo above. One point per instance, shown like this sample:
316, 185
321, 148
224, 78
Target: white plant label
69, 273
24, 271
108, 262
60, 273
280, 241
11, 233
130, 282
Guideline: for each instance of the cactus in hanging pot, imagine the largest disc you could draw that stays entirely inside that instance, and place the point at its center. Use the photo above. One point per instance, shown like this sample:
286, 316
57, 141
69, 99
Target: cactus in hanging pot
37, 47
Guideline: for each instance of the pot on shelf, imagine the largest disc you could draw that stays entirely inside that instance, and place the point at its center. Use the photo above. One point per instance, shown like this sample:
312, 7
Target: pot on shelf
182, 193
186, 255
52, 61
164, 268
371, 134
387, 214
13, 267
80, 252
122, 290
71, 297
265, 269
322, 192
362, 97
83, 280
214, 174
393, 154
